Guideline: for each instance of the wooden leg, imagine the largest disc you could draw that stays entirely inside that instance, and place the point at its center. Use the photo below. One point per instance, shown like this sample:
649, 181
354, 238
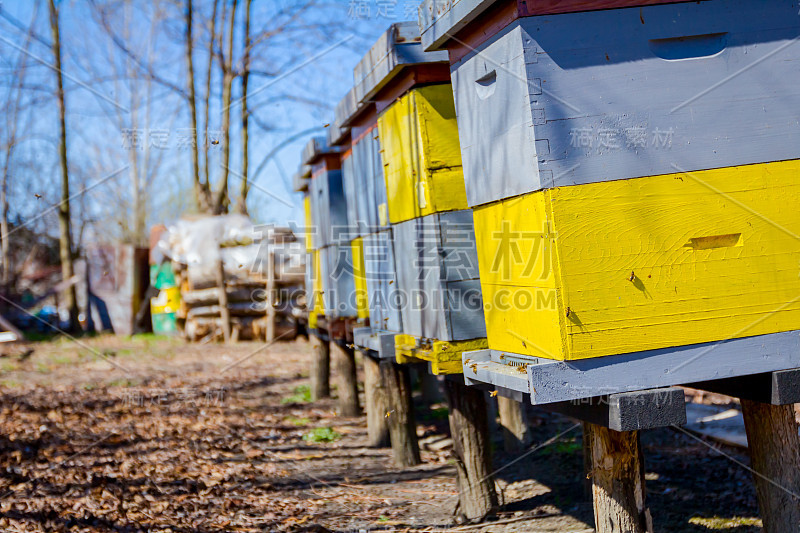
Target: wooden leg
376, 403
430, 387
320, 369
346, 379
402, 425
618, 485
516, 434
469, 429
775, 456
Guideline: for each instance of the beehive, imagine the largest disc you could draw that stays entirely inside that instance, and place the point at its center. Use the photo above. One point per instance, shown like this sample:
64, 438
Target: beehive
328, 233
427, 209
633, 174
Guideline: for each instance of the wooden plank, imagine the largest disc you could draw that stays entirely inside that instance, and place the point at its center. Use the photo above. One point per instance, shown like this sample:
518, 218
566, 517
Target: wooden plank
775, 388
642, 264
224, 312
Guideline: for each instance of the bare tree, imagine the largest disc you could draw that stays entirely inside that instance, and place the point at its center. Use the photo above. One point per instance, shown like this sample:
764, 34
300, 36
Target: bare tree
65, 235
201, 191
221, 199
241, 205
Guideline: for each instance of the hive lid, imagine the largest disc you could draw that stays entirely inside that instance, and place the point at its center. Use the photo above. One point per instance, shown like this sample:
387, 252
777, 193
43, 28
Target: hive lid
301, 178
315, 148
399, 47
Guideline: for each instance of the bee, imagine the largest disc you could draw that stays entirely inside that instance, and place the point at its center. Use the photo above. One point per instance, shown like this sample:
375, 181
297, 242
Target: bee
37, 196
493, 393
326, 125
474, 368
522, 369
214, 141
569, 312
632, 276
388, 414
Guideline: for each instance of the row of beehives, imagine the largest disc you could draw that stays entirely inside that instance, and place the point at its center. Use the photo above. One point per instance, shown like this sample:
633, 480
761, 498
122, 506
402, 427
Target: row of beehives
631, 174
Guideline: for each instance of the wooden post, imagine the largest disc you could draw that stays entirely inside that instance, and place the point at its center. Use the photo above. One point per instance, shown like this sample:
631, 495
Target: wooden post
402, 424
618, 485
377, 405
775, 455
516, 434
321, 369
587, 462
469, 428
346, 379
430, 388
224, 312
271, 298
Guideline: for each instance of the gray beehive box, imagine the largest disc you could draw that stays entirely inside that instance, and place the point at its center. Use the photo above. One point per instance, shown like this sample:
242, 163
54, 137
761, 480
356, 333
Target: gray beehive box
381, 276
563, 100
397, 48
437, 276
337, 281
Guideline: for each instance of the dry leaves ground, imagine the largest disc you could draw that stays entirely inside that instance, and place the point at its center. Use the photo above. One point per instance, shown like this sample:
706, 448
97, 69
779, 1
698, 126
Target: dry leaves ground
145, 434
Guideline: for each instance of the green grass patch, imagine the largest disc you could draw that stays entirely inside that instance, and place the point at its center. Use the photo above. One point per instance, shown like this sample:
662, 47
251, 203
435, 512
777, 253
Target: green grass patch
298, 421
718, 523
322, 435
300, 394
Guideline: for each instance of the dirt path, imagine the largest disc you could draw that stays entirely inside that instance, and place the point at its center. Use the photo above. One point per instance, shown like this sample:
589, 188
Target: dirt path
155, 435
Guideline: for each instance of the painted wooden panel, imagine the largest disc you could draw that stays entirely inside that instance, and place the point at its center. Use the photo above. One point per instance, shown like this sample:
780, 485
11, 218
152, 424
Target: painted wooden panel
360, 279
604, 95
309, 229
339, 294
329, 209
421, 154
314, 288
381, 280
444, 356
643, 264
437, 277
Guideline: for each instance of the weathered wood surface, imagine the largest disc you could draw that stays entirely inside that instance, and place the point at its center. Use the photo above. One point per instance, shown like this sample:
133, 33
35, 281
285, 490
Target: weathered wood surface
400, 414
471, 449
377, 403
320, 368
346, 378
271, 297
222, 295
516, 431
618, 488
775, 458
202, 297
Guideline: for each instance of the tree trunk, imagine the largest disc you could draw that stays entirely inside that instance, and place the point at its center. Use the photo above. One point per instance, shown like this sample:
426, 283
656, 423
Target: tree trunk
618, 481
222, 200
241, 205
377, 405
200, 193
346, 379
65, 232
272, 297
402, 424
209, 70
469, 428
516, 433
775, 455
321, 369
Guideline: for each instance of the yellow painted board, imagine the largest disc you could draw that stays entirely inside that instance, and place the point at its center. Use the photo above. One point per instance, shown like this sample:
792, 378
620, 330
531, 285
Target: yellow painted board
316, 303
167, 301
421, 155
360, 278
643, 264
444, 356
309, 222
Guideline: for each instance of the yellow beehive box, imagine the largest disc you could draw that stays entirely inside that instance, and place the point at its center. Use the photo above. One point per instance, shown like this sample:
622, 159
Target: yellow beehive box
642, 264
360, 278
421, 155
309, 223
